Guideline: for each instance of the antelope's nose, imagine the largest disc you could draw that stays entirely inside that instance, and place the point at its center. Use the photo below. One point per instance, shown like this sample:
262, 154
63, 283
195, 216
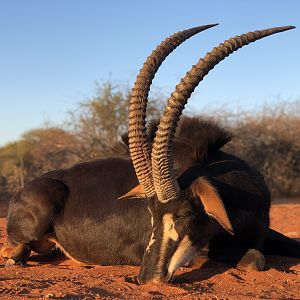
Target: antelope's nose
143, 278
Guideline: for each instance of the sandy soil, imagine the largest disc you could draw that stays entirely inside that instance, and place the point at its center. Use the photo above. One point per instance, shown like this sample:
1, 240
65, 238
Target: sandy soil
58, 278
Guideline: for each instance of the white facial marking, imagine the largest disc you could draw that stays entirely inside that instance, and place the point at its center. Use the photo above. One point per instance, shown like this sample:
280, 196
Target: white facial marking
151, 242
184, 253
151, 216
152, 239
169, 227
169, 233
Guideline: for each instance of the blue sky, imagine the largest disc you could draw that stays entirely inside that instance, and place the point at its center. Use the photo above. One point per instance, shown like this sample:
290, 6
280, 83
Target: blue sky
52, 52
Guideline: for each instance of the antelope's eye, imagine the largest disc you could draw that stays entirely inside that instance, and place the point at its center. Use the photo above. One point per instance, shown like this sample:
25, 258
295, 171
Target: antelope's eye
176, 217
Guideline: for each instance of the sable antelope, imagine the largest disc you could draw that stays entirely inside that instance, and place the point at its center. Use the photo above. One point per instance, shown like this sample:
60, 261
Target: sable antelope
184, 192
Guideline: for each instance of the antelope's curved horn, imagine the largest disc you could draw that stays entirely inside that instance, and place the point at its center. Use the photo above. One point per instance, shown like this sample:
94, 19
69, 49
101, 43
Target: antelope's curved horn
165, 183
138, 144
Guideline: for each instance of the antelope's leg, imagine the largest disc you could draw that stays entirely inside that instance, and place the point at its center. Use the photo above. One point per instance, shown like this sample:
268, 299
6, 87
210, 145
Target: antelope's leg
16, 255
30, 217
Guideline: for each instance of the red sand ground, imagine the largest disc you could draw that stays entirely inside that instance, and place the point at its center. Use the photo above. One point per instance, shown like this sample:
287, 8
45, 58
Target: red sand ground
62, 279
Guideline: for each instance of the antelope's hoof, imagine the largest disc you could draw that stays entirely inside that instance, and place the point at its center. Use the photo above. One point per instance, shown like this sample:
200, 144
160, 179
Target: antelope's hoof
16, 255
253, 260
10, 262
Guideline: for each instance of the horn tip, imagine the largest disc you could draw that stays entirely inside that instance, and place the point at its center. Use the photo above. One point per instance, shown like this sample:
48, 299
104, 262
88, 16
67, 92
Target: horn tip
204, 27
212, 25
288, 27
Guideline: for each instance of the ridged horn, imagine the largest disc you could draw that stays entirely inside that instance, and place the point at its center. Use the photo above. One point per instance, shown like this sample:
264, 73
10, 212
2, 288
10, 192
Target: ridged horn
138, 144
165, 183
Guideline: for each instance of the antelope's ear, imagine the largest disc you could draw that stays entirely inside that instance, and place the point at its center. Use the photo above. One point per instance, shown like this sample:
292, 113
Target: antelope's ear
212, 202
136, 192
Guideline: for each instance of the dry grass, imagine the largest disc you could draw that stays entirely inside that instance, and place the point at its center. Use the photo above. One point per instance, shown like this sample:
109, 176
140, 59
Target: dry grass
269, 139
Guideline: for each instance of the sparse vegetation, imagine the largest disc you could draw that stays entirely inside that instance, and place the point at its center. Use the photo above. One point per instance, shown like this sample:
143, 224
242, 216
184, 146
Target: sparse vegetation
268, 139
